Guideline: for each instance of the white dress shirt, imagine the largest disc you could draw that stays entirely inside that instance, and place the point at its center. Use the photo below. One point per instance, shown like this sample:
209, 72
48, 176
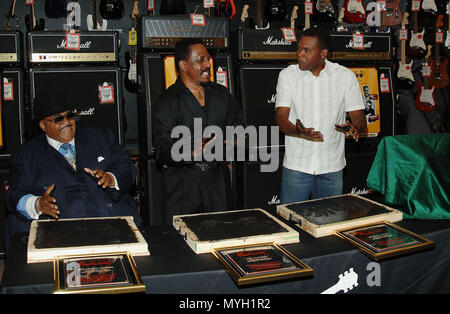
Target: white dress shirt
320, 103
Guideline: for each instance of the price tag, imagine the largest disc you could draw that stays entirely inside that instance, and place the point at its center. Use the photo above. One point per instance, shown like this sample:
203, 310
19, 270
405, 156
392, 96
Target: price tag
132, 37
415, 5
8, 91
106, 93
29, 2
403, 34
358, 41
289, 34
73, 40
208, 3
198, 19
381, 5
221, 77
308, 8
384, 84
426, 71
150, 5
439, 37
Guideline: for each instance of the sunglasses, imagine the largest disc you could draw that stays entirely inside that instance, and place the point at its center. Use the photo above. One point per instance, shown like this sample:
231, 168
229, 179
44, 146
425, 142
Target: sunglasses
69, 116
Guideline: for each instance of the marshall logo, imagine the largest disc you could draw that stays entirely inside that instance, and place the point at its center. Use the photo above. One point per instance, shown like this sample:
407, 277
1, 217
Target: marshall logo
273, 99
357, 191
88, 112
366, 45
274, 201
276, 42
86, 45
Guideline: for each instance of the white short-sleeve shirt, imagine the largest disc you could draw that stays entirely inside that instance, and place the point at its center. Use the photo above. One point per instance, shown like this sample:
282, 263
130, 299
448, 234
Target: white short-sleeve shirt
319, 102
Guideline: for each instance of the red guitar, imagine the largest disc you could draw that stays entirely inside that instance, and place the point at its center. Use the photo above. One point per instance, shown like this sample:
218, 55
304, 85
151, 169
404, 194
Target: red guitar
224, 8
354, 11
393, 14
439, 79
425, 96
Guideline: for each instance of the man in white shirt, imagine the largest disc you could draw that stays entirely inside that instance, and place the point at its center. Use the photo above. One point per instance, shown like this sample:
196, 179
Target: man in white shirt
313, 97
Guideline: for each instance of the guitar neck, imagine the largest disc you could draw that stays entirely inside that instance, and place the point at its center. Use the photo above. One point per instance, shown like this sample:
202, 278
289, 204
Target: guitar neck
11, 14
403, 55
416, 29
258, 14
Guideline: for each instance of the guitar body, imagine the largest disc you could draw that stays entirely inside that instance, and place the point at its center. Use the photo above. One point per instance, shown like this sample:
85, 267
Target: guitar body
439, 79
430, 6
224, 8
416, 47
354, 11
404, 71
112, 9
325, 11
130, 81
393, 14
275, 10
425, 98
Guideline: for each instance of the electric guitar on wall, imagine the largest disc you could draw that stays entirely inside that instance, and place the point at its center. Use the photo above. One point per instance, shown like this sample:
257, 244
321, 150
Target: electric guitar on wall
294, 16
259, 19
224, 8
429, 6
324, 11
425, 96
439, 79
354, 11
131, 77
307, 20
11, 15
112, 9
30, 20
92, 20
416, 47
340, 27
404, 70
244, 15
275, 10
392, 15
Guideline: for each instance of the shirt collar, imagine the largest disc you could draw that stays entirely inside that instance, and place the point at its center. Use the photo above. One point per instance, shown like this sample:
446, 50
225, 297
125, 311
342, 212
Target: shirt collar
56, 145
328, 69
179, 85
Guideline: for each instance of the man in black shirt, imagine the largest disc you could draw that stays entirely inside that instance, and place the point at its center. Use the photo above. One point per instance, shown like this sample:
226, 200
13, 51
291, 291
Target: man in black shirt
191, 184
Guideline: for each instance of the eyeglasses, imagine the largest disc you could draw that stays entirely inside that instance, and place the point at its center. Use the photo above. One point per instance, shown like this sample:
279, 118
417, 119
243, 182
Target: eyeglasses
69, 116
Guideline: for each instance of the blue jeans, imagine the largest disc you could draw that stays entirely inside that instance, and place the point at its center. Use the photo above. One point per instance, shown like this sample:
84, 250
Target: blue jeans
298, 186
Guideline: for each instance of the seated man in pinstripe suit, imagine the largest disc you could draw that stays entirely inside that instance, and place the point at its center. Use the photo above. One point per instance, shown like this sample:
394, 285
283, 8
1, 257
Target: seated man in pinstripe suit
318, 94
52, 179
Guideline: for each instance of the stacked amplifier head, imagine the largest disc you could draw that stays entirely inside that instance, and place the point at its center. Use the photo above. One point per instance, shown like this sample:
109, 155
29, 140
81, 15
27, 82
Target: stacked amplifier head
156, 71
81, 67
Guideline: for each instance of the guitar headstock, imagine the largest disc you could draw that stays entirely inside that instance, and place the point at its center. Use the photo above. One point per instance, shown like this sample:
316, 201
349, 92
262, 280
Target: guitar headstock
405, 19
439, 21
244, 14
341, 15
294, 14
135, 11
348, 280
428, 52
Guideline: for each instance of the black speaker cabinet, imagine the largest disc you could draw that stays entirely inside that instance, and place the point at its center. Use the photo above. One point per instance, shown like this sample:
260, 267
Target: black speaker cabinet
152, 77
86, 86
359, 161
152, 197
258, 83
12, 111
256, 188
4, 177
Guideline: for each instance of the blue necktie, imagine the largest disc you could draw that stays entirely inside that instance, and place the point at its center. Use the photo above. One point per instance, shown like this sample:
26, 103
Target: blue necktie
68, 151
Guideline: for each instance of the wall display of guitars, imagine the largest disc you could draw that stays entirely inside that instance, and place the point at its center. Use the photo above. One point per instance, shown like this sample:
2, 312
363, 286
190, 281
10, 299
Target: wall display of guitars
93, 21
405, 69
131, 83
30, 19
425, 93
439, 77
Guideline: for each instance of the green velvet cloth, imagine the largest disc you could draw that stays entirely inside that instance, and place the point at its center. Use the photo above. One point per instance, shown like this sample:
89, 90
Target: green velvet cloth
413, 174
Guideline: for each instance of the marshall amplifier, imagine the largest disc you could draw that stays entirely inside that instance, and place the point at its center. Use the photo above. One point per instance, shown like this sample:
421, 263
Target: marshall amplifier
267, 44
377, 46
12, 111
10, 47
258, 96
51, 47
162, 32
96, 90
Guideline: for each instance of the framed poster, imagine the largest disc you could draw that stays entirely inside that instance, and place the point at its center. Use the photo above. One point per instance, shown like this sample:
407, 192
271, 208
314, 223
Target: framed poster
258, 263
383, 240
368, 82
100, 273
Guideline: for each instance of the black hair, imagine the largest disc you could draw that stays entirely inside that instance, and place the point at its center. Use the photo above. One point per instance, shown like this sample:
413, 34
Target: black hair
183, 50
322, 35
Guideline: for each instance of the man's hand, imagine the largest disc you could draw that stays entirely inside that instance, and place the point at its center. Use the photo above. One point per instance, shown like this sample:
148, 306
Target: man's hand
47, 204
198, 151
104, 179
309, 133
